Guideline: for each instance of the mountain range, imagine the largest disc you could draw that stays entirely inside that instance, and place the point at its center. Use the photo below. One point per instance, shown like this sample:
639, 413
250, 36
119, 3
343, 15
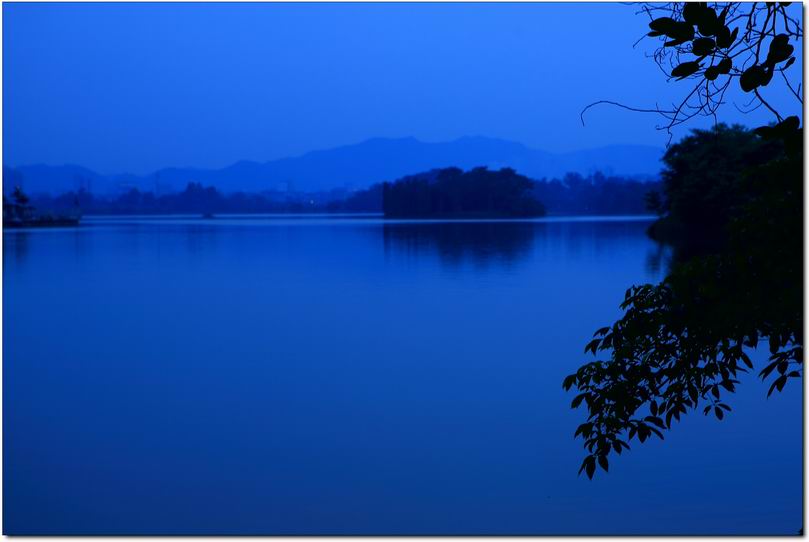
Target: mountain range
352, 167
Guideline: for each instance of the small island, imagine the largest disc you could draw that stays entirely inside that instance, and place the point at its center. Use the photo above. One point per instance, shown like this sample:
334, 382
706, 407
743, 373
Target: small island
454, 193
19, 213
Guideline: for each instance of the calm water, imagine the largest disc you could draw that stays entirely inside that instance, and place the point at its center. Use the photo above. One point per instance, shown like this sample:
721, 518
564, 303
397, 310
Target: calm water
315, 375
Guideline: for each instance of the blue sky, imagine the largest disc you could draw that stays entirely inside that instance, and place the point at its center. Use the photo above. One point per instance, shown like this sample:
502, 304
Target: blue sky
135, 87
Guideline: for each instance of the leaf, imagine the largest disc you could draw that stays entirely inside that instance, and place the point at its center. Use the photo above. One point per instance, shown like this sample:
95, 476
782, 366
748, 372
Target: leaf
789, 124
698, 13
778, 383
724, 66
723, 38
655, 420
775, 344
569, 381
590, 469
676, 30
768, 369
780, 49
723, 14
662, 24
584, 429
605, 464
703, 46
746, 360
691, 12
675, 42
708, 23
577, 400
719, 413
711, 73
685, 69
752, 78
693, 394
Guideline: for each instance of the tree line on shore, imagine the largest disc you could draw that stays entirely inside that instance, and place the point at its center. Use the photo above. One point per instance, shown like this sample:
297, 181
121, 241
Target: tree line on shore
442, 192
453, 192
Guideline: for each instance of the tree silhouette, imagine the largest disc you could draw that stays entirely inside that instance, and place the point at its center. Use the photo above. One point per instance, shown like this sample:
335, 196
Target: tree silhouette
732, 208
21, 208
451, 192
713, 45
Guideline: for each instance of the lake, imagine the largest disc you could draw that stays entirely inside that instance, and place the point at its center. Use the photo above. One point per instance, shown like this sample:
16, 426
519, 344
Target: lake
350, 375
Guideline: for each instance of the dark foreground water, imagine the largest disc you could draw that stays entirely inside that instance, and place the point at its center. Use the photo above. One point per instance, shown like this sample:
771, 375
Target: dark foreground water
314, 376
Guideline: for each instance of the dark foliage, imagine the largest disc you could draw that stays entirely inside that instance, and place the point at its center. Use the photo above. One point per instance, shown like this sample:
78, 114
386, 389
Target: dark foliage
17, 207
704, 184
721, 48
195, 199
572, 195
681, 343
362, 201
733, 208
452, 192
596, 194
18, 212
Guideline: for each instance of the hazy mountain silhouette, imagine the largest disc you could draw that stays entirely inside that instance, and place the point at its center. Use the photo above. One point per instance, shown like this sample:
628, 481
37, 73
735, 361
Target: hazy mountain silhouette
358, 166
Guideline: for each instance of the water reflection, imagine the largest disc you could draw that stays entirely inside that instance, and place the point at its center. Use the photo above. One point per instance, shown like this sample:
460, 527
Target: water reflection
510, 243
15, 245
659, 259
272, 375
455, 243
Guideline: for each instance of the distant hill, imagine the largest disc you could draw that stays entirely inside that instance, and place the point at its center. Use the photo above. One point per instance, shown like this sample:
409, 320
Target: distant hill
357, 166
